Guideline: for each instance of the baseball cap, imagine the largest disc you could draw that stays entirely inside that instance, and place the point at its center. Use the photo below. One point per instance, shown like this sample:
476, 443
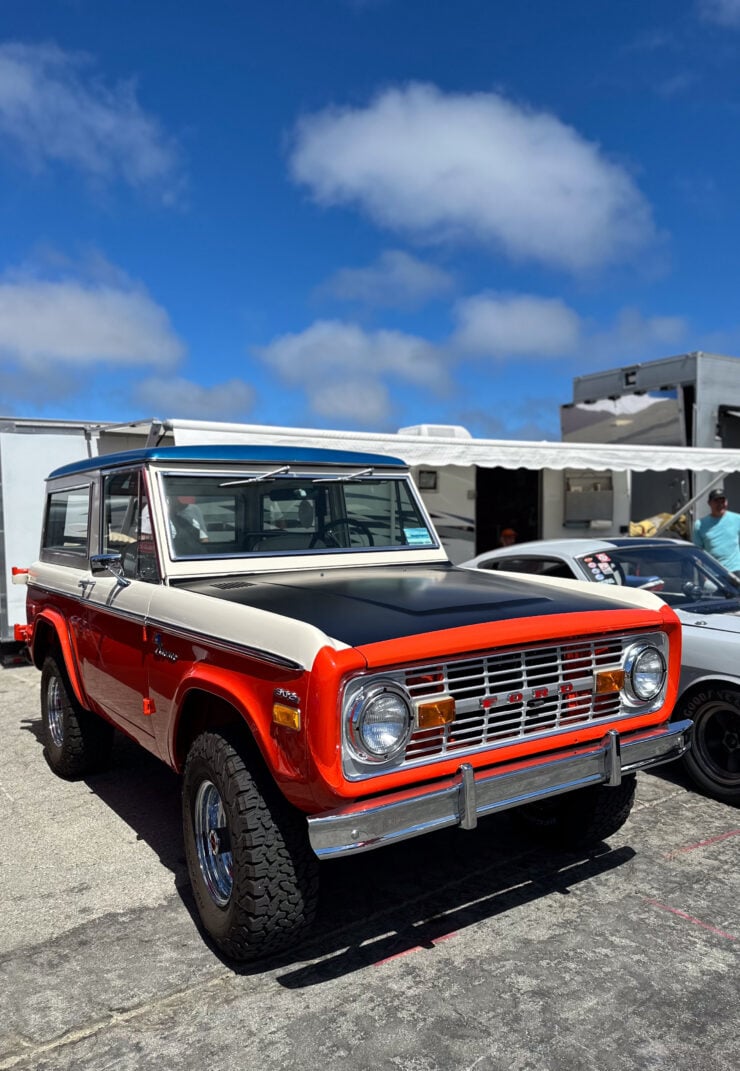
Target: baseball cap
716, 493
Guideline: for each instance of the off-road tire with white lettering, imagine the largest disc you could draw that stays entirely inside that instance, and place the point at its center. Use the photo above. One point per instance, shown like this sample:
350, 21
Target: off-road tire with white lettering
269, 899
76, 741
581, 818
713, 760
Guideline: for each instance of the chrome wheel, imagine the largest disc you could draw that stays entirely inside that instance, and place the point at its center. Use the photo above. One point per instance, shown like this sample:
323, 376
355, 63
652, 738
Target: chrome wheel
213, 844
253, 871
55, 711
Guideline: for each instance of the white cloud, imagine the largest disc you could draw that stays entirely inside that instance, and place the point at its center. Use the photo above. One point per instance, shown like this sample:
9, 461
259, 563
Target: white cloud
231, 400
333, 347
515, 325
343, 368
477, 168
723, 12
83, 324
363, 401
634, 336
54, 110
350, 375
395, 280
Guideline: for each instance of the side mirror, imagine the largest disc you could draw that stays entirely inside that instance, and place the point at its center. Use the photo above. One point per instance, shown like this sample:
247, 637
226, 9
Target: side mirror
109, 563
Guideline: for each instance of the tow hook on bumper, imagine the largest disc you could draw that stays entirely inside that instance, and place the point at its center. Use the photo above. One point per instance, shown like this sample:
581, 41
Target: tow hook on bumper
463, 798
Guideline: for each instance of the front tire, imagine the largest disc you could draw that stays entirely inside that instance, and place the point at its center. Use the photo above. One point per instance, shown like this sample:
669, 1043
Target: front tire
76, 741
581, 818
713, 760
253, 873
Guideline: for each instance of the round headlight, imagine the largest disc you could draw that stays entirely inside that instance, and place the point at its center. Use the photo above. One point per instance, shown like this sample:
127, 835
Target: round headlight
645, 669
380, 721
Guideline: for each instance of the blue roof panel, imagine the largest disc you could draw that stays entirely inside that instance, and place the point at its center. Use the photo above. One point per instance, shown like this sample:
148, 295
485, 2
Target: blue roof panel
279, 455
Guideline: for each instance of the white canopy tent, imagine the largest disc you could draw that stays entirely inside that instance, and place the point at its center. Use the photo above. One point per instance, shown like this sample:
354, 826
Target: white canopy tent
436, 450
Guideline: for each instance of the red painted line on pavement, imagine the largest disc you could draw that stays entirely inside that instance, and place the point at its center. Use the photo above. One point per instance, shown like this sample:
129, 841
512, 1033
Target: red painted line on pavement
691, 919
704, 843
416, 948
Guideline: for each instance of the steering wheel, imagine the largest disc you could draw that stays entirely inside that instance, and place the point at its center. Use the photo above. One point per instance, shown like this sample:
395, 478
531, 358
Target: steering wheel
348, 524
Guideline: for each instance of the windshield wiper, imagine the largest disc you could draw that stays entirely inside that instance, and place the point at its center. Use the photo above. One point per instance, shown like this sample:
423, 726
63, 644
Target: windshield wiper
256, 479
343, 479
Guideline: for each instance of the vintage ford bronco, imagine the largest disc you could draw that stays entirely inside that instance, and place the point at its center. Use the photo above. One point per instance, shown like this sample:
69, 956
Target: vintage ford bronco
284, 628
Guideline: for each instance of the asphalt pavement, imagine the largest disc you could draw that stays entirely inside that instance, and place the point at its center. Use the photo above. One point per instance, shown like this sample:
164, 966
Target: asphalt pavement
459, 950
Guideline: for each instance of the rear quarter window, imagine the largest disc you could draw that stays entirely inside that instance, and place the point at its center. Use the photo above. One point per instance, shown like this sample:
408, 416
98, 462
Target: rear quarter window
66, 525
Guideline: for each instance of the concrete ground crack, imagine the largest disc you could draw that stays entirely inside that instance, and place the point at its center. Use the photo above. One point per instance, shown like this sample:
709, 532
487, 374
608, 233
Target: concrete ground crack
32, 1052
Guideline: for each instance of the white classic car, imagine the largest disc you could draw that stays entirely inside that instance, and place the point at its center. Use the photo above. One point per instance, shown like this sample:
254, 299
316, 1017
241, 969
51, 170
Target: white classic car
707, 599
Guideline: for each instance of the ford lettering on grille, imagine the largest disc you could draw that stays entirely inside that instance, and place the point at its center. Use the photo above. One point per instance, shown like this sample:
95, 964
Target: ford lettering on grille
530, 694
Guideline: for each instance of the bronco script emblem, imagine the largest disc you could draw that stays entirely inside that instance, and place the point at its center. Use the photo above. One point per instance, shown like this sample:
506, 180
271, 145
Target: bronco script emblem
162, 652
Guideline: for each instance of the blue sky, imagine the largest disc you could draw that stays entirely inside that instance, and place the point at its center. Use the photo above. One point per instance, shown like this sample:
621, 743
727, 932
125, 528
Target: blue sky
361, 214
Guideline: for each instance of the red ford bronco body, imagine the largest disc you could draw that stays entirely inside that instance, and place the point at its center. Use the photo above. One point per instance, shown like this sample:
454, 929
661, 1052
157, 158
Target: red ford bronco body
284, 628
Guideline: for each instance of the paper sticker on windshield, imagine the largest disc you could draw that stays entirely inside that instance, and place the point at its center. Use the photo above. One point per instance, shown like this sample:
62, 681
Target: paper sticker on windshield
418, 537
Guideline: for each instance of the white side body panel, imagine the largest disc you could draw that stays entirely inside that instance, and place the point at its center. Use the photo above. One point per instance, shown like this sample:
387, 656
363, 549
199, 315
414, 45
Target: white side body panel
182, 610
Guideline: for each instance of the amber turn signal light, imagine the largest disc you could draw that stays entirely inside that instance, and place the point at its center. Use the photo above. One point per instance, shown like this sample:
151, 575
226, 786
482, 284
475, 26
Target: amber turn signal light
609, 680
436, 712
289, 717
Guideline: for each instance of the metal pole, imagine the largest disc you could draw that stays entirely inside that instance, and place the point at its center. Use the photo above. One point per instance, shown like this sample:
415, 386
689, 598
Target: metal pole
666, 524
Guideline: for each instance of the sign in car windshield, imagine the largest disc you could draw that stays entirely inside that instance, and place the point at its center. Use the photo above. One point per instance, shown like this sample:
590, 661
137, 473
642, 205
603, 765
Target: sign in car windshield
602, 568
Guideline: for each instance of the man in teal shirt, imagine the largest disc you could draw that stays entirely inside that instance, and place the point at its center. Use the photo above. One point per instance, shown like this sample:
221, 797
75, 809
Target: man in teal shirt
719, 532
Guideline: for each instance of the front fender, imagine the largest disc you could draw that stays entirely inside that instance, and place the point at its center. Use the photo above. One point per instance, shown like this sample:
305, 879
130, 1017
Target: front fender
282, 749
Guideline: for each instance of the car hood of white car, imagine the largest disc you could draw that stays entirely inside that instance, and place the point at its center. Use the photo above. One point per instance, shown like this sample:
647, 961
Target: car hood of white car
718, 622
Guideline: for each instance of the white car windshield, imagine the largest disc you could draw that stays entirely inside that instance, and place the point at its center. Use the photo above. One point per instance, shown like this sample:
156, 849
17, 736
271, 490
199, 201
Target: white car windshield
681, 574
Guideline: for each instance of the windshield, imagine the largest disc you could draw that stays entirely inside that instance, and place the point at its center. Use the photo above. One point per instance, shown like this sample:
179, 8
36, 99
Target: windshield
681, 574
281, 513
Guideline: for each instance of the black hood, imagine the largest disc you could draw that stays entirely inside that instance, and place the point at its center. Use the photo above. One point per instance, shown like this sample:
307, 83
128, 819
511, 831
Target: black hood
373, 603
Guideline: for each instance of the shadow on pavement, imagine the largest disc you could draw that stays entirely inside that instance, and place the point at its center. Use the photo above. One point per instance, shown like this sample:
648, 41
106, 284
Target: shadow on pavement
375, 905
415, 895
673, 773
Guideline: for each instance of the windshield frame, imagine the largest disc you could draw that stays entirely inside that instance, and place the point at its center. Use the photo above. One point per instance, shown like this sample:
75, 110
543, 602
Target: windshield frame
233, 478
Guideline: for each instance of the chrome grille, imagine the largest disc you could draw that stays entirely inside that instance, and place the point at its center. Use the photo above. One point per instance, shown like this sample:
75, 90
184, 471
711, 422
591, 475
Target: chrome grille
513, 694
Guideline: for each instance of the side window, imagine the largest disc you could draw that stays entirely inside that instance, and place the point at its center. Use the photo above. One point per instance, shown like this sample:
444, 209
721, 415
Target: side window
512, 565
127, 525
65, 527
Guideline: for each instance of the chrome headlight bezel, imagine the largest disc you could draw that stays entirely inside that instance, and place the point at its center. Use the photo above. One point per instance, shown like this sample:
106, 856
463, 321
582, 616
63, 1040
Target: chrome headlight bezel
361, 705
634, 656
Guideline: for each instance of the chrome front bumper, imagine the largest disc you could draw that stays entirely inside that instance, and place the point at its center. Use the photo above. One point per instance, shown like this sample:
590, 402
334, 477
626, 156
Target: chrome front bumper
463, 798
